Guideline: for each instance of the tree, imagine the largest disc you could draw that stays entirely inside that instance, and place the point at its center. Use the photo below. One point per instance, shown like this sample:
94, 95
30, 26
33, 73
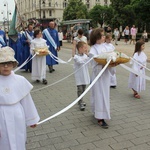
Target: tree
123, 13
100, 15
75, 10
142, 9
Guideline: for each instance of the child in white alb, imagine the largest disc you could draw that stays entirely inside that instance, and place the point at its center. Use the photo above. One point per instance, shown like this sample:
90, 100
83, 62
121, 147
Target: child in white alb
110, 47
17, 109
82, 75
137, 83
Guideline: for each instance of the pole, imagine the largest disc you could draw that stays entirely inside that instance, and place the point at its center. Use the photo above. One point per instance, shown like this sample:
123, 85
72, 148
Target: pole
40, 9
7, 16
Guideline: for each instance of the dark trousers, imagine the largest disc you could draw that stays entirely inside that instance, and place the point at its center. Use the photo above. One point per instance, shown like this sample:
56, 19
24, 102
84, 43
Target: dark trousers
80, 90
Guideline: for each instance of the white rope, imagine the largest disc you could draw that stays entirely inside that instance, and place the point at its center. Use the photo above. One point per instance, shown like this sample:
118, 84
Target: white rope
75, 101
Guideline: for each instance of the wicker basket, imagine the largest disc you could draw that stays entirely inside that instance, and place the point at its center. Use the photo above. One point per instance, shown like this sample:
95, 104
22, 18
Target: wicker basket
120, 60
42, 51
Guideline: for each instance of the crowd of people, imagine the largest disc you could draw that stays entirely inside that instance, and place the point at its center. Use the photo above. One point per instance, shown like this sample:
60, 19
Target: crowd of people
24, 48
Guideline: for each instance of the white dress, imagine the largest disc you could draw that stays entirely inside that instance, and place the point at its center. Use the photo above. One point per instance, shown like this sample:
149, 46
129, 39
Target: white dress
17, 110
38, 62
138, 83
113, 79
82, 75
100, 92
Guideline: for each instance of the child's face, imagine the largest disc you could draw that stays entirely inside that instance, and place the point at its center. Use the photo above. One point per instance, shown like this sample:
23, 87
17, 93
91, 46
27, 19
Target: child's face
6, 67
142, 47
83, 49
108, 40
102, 40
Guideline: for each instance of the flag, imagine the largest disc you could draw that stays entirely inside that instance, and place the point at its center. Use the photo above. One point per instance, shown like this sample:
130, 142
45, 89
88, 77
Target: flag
13, 34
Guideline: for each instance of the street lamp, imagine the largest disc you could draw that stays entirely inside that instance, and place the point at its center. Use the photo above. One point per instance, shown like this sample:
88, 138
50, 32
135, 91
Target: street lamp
8, 13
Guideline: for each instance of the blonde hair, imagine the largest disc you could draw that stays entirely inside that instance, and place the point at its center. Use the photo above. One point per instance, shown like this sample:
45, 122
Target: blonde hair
108, 36
80, 44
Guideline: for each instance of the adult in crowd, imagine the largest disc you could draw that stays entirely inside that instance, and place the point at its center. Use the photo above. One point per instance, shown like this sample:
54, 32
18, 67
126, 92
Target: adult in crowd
60, 35
79, 37
50, 34
116, 35
38, 62
133, 33
126, 34
17, 47
27, 37
109, 30
145, 36
3, 40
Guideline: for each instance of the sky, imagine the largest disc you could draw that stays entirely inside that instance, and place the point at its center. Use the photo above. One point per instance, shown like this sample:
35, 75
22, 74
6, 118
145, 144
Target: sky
11, 7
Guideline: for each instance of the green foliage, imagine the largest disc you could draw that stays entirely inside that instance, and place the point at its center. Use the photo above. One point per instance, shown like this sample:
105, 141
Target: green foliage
75, 10
101, 14
119, 13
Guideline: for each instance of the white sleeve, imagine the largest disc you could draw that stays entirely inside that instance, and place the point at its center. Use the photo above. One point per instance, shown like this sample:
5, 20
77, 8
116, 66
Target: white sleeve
32, 48
30, 111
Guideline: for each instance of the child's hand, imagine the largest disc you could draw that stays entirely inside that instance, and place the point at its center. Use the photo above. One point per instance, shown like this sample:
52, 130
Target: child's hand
33, 126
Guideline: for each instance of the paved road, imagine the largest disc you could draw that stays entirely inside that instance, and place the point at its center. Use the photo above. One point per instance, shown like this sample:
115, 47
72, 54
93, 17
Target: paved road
78, 130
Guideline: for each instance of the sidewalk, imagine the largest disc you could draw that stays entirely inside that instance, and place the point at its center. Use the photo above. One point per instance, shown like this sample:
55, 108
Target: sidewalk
129, 127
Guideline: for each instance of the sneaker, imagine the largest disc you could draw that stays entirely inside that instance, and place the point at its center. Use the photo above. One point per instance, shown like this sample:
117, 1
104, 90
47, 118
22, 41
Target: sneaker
82, 103
82, 107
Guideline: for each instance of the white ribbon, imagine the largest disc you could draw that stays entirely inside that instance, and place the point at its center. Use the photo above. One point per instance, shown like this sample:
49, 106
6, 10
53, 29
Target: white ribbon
74, 102
135, 72
2, 40
62, 78
24, 63
140, 64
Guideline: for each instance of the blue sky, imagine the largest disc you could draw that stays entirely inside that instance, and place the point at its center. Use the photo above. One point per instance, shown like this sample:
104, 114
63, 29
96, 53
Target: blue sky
11, 7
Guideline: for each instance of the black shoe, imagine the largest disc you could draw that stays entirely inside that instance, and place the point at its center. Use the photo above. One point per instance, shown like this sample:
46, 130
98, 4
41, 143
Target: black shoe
44, 81
50, 71
53, 69
103, 124
37, 81
113, 87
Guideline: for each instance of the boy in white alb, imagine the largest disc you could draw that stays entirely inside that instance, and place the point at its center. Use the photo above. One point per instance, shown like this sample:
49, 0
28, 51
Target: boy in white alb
108, 45
82, 75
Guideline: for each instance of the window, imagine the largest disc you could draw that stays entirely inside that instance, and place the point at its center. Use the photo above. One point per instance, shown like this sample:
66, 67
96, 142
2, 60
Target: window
105, 2
64, 4
50, 13
44, 14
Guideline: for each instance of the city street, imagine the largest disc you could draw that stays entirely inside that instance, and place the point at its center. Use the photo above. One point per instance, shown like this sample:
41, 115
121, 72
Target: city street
129, 127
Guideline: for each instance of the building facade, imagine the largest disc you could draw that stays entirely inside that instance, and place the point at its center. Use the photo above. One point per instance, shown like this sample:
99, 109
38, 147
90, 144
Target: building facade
46, 10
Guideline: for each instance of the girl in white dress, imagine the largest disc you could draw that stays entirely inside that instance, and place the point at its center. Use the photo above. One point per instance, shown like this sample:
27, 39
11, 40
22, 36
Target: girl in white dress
17, 109
137, 83
38, 62
100, 92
